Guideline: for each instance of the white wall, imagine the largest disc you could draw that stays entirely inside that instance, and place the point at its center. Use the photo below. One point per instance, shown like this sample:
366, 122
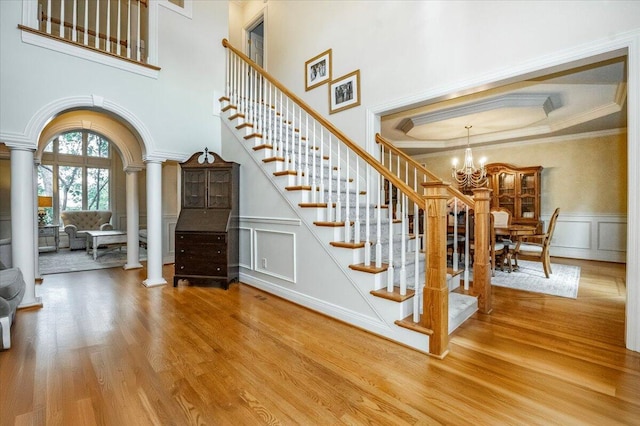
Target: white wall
176, 108
404, 48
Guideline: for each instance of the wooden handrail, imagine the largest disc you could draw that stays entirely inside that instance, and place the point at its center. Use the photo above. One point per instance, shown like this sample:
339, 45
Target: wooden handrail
451, 190
405, 188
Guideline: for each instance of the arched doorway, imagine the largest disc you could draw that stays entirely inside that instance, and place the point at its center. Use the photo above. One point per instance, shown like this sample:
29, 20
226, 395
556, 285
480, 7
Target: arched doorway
121, 162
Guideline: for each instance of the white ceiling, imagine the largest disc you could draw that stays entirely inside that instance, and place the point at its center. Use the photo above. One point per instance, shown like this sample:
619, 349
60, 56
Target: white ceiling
588, 98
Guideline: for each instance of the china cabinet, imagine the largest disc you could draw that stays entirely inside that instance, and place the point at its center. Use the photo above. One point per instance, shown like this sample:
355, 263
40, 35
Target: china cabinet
516, 189
206, 235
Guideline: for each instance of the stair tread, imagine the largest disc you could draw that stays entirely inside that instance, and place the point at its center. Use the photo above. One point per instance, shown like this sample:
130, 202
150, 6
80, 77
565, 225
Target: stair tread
408, 323
371, 268
393, 295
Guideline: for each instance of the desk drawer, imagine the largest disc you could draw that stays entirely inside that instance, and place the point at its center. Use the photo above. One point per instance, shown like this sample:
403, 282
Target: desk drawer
200, 238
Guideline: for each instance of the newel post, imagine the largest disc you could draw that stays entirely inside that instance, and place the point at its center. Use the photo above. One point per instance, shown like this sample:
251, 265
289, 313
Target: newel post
436, 292
481, 261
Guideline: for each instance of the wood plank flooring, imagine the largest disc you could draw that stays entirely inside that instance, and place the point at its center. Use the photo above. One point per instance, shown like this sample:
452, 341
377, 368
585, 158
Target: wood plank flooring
105, 350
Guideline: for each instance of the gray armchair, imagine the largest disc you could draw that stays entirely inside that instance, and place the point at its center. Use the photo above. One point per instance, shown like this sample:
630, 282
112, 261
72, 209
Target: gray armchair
12, 288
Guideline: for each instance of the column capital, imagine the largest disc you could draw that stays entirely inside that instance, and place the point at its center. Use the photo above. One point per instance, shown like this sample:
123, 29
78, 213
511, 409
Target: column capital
133, 169
153, 159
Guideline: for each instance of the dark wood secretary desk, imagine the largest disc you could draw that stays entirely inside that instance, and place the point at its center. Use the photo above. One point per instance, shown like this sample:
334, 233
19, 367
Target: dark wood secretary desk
206, 235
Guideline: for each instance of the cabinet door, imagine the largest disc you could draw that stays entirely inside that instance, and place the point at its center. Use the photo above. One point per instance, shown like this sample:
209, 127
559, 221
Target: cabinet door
506, 191
528, 195
194, 189
219, 189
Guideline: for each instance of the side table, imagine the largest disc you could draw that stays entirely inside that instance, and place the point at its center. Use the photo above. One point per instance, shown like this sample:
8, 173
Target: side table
49, 231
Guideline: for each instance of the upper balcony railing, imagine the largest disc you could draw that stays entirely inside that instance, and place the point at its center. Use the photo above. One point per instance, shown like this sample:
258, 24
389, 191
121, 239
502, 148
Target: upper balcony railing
116, 28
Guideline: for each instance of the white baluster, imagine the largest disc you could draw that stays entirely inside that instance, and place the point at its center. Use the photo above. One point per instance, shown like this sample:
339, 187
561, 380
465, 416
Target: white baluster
329, 181
86, 23
97, 40
49, 16
306, 153
107, 42
300, 170
390, 271
338, 209
129, 29
321, 197
119, 36
314, 170
61, 18
74, 21
367, 212
356, 226
271, 119
138, 29
398, 208
281, 128
378, 178
347, 219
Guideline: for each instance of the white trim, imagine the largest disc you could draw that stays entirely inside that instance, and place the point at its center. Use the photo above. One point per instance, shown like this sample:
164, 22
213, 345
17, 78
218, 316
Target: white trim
241, 230
186, 11
632, 322
29, 139
294, 260
88, 54
537, 141
271, 220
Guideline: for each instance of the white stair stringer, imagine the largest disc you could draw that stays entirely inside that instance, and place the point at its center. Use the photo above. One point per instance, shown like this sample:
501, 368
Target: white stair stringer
387, 310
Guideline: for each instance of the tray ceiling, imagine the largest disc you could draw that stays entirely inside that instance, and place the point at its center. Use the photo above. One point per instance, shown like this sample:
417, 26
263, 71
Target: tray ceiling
585, 99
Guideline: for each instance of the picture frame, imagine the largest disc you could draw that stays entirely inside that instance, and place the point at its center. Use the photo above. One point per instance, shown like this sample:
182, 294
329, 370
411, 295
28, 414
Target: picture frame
344, 92
317, 70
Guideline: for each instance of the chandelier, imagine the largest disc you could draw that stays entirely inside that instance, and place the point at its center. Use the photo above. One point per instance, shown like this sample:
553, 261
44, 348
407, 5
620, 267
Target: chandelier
468, 175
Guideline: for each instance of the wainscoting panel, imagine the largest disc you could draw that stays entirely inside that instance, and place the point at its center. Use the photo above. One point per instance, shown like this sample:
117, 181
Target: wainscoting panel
574, 235
275, 253
246, 248
593, 237
612, 236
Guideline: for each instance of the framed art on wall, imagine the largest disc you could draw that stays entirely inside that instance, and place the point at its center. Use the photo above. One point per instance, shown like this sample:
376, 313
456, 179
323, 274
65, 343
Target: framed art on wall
344, 92
317, 70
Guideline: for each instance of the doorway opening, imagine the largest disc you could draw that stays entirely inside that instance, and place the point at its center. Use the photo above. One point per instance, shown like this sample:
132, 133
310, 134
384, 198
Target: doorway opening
255, 37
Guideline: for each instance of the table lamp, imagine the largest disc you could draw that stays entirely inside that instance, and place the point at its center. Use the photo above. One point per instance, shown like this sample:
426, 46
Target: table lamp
43, 202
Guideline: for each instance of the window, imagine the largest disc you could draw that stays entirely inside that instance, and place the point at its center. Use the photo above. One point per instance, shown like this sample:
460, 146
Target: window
76, 171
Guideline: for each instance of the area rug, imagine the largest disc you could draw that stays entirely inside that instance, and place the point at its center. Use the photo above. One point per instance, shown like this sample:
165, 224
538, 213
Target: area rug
530, 277
66, 260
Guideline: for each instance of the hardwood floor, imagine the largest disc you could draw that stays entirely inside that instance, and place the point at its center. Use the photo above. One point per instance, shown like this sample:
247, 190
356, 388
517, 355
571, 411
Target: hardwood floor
106, 350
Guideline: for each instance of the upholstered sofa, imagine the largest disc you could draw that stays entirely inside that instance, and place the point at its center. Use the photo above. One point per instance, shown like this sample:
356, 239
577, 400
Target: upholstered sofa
12, 288
78, 222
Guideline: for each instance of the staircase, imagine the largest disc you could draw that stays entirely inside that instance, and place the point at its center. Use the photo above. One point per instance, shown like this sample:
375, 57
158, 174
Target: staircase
355, 206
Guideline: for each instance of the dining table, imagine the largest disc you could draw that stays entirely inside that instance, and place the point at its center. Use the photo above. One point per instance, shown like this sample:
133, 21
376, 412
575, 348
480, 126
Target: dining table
514, 232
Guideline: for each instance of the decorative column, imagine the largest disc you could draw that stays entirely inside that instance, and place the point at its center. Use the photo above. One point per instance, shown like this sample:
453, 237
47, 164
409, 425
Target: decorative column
436, 292
133, 220
481, 262
36, 239
154, 224
23, 221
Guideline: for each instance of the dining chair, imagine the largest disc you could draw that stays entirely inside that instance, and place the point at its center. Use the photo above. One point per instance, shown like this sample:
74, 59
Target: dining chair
497, 249
501, 217
536, 247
